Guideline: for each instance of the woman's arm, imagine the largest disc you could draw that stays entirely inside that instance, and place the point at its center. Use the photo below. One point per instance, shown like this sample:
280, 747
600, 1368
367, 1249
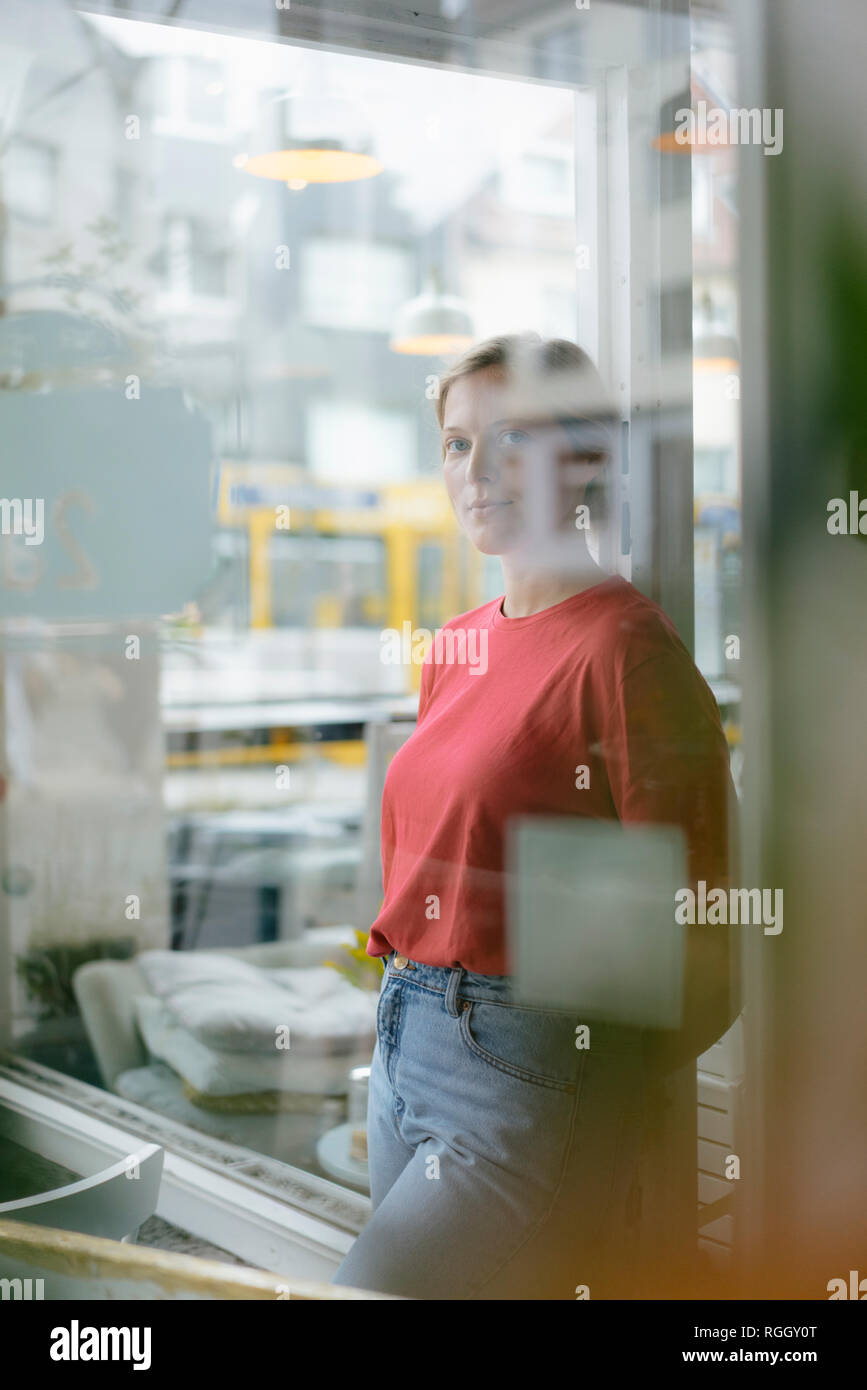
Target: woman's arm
668, 764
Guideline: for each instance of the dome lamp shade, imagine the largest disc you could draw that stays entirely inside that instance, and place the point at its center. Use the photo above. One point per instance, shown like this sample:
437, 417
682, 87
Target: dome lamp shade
318, 139
324, 162
433, 324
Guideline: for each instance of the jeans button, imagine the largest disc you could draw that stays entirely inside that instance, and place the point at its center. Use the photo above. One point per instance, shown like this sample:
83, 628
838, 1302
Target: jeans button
400, 962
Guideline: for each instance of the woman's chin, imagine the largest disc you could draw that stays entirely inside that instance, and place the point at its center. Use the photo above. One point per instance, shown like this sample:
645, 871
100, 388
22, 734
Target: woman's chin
492, 537
490, 545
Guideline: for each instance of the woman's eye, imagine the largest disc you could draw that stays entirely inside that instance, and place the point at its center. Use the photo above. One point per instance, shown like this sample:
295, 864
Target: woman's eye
512, 438
457, 446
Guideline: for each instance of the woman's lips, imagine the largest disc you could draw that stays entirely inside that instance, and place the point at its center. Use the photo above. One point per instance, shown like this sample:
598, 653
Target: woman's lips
485, 508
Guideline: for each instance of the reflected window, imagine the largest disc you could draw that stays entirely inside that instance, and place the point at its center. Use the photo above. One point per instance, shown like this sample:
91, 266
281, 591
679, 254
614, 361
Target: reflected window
193, 262
29, 172
354, 441
540, 181
328, 581
353, 284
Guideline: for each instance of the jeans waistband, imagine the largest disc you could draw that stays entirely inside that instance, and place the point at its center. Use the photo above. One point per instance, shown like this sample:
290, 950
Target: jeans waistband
455, 981
439, 976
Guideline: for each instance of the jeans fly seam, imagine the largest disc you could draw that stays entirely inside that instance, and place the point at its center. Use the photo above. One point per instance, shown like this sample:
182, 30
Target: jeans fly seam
395, 1088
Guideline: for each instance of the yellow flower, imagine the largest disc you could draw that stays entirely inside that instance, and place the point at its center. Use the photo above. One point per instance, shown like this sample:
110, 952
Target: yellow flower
362, 970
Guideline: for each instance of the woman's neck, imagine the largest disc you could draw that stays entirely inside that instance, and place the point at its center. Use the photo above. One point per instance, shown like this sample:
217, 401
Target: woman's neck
529, 591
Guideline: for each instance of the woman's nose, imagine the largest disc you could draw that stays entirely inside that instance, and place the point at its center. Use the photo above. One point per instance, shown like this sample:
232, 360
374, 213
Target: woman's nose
480, 464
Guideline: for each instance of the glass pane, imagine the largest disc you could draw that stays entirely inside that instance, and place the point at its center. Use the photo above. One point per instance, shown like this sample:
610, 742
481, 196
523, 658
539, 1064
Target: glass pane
197, 663
282, 508
716, 394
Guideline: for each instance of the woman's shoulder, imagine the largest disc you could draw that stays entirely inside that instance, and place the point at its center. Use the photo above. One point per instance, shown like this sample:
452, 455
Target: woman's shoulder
629, 629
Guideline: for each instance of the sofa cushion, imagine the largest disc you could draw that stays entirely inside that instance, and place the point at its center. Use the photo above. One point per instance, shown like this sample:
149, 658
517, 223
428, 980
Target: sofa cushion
236, 1007
219, 1073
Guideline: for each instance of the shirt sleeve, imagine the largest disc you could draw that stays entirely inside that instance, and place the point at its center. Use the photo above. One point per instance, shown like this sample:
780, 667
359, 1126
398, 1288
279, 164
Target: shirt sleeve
668, 762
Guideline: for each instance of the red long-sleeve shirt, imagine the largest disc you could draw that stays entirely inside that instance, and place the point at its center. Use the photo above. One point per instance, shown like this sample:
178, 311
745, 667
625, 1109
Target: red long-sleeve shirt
600, 681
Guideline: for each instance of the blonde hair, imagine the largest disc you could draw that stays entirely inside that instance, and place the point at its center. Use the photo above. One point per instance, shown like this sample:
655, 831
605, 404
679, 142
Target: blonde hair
554, 379
540, 359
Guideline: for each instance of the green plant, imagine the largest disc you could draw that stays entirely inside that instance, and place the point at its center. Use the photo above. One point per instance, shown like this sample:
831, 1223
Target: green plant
47, 973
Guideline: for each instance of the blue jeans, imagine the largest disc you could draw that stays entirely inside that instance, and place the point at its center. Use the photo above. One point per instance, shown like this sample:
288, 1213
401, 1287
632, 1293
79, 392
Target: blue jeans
503, 1158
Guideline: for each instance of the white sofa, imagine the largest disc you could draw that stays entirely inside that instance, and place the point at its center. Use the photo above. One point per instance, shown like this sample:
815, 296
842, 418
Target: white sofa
106, 992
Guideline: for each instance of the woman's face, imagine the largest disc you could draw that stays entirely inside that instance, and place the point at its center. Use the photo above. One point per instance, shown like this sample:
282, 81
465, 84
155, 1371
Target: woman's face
486, 451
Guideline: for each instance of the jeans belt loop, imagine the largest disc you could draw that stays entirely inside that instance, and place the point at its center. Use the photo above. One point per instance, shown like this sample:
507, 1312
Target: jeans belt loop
452, 990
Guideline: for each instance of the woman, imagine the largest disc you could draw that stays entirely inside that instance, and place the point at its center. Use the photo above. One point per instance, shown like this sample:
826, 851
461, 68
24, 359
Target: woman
503, 1157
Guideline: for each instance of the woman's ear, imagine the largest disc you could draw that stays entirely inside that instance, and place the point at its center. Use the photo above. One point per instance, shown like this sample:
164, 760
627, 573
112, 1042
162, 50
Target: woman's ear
591, 468
594, 496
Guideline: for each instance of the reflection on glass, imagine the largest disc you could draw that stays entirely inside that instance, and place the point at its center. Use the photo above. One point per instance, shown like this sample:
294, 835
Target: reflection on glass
199, 733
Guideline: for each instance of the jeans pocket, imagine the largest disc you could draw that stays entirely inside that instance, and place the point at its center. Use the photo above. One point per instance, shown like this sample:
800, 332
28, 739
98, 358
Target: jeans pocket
528, 1044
